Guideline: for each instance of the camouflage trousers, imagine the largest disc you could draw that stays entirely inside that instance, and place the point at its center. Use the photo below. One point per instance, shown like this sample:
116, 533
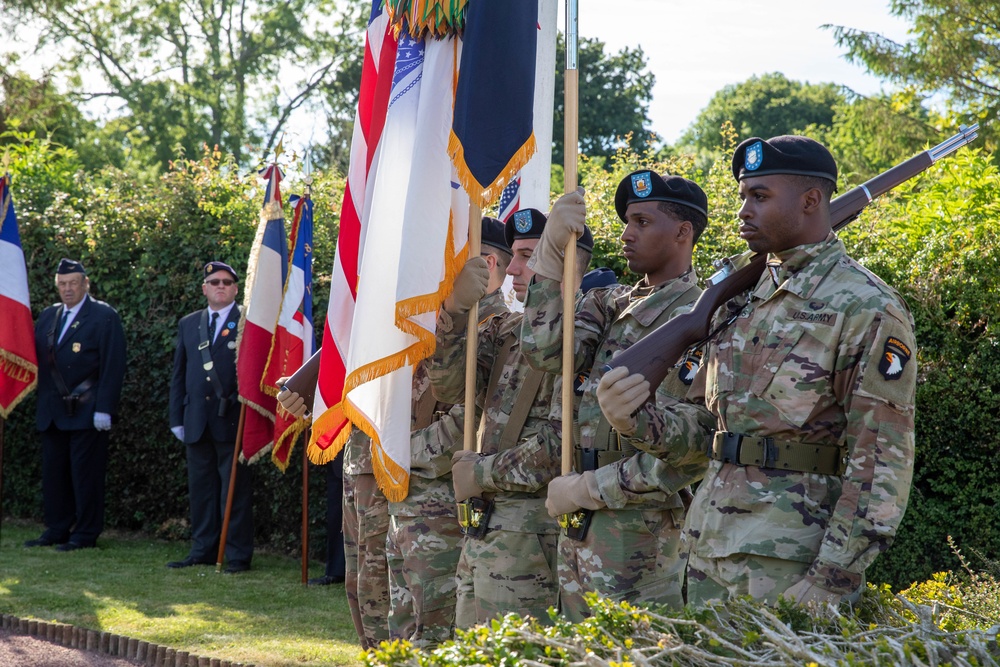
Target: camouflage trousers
504, 572
366, 522
422, 553
761, 577
627, 555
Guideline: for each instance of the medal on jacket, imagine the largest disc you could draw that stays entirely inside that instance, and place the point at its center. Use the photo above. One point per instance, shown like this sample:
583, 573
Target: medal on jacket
231, 345
76, 347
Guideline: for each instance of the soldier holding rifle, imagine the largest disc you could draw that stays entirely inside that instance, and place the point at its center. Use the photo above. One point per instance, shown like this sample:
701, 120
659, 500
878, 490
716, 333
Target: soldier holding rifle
635, 489
508, 557
812, 387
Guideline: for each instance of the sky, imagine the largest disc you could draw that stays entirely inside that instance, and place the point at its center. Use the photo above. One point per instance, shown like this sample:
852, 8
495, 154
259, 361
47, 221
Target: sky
696, 47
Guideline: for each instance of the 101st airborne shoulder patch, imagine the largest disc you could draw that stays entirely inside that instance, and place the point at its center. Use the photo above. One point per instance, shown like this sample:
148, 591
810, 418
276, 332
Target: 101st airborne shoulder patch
895, 354
891, 373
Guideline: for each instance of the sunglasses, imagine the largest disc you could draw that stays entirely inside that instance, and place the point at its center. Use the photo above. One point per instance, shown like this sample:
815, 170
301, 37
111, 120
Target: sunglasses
215, 282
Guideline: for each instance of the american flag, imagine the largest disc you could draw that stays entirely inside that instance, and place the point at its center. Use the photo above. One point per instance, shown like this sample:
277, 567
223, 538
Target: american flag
510, 198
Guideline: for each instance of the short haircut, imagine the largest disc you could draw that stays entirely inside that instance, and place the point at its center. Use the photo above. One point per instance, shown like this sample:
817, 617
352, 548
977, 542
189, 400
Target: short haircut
583, 258
503, 258
825, 185
698, 220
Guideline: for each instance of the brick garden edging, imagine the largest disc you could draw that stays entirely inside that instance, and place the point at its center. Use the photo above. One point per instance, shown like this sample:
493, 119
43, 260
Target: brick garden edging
143, 652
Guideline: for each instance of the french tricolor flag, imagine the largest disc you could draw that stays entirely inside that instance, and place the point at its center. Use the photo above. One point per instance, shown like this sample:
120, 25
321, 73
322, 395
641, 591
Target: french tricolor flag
266, 273
18, 363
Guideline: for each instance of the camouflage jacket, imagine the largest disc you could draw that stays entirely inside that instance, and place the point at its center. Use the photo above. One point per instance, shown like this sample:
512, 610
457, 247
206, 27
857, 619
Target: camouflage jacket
358, 453
517, 475
431, 447
609, 320
826, 357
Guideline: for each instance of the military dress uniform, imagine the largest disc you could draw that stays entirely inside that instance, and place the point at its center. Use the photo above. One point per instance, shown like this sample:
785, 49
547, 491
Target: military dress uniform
631, 550
424, 540
87, 361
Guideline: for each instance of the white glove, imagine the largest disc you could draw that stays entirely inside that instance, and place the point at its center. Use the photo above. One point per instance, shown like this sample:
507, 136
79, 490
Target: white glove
178, 432
620, 395
102, 421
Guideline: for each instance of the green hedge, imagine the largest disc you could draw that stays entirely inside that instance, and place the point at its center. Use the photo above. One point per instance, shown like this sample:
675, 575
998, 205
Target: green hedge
935, 239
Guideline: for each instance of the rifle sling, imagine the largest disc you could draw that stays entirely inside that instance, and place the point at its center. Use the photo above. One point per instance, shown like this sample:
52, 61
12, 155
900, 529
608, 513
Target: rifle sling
57, 377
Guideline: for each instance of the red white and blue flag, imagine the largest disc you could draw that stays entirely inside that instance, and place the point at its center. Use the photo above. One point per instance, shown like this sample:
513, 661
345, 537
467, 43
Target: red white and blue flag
266, 273
294, 341
18, 363
330, 424
510, 199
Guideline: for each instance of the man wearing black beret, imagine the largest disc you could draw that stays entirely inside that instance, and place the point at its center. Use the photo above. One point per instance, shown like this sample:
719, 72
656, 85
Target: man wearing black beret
508, 556
630, 487
812, 388
81, 366
204, 415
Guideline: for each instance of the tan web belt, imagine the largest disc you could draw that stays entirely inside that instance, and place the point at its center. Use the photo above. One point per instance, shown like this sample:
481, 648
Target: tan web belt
746, 450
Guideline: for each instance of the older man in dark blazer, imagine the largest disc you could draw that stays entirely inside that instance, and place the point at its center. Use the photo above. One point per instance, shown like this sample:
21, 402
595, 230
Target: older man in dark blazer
204, 415
81, 365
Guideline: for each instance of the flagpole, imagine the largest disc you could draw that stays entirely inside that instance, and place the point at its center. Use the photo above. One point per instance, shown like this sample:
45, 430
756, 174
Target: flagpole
570, 143
2, 423
305, 508
232, 487
472, 335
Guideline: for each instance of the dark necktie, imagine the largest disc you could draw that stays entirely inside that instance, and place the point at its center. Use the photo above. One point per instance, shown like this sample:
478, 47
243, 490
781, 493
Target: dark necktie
212, 326
62, 324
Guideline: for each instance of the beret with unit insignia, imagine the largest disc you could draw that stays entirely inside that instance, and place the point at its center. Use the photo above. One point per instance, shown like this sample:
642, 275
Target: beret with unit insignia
212, 267
787, 154
493, 234
646, 185
528, 223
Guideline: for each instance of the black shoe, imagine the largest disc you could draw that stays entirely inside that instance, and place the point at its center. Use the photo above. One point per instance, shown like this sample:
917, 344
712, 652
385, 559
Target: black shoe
188, 562
237, 566
41, 542
326, 580
73, 546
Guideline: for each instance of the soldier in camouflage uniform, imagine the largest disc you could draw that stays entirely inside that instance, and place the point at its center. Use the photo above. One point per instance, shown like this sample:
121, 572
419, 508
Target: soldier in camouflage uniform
635, 487
424, 539
511, 567
812, 387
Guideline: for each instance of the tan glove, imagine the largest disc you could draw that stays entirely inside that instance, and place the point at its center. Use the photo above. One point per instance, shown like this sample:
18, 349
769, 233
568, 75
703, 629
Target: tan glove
620, 395
463, 475
572, 492
290, 401
470, 286
566, 221
805, 593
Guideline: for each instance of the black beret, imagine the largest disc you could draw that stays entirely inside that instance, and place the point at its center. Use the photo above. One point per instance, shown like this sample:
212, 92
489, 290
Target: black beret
529, 223
787, 154
212, 267
493, 234
69, 266
602, 276
646, 185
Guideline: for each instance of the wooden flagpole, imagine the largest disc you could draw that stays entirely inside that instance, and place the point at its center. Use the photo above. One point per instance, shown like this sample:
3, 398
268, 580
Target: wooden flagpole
305, 507
3, 422
570, 143
232, 486
472, 335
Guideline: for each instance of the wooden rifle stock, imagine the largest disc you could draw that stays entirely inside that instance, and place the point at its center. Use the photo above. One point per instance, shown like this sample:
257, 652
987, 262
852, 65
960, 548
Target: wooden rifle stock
303, 381
659, 351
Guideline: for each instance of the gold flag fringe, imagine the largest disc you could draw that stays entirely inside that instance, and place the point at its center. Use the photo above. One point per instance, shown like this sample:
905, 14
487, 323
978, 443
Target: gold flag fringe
437, 18
18, 370
293, 431
334, 415
391, 478
480, 194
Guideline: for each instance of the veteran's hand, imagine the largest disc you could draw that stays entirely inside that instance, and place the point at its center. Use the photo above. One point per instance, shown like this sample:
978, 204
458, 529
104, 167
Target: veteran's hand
463, 475
290, 401
178, 432
102, 421
572, 492
620, 395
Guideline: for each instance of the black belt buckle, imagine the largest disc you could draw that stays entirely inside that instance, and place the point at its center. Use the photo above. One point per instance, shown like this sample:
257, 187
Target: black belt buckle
770, 452
588, 459
69, 403
223, 408
474, 517
731, 447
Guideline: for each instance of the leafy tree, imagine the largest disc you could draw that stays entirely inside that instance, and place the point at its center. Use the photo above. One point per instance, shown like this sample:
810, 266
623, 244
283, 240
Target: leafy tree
953, 52
763, 106
615, 90
187, 74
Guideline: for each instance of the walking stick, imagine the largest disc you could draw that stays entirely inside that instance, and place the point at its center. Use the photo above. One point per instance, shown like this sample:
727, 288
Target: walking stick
305, 508
570, 141
472, 335
232, 485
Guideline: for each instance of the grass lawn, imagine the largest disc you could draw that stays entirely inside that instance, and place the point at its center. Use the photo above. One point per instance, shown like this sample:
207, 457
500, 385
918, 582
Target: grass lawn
264, 616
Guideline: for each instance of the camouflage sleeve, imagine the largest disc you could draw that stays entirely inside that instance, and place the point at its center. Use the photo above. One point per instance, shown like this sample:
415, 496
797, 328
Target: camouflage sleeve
674, 430
446, 367
541, 329
527, 467
878, 387
431, 448
644, 478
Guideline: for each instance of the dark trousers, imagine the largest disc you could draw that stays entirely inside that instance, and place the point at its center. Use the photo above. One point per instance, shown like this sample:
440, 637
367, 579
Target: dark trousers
335, 562
210, 464
74, 465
